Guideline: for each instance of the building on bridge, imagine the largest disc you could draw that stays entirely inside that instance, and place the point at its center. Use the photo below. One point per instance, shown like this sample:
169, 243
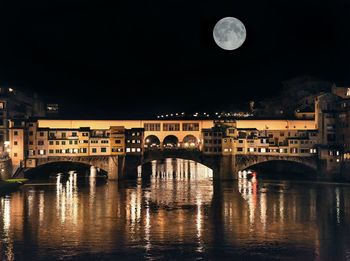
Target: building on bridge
321, 135
29, 142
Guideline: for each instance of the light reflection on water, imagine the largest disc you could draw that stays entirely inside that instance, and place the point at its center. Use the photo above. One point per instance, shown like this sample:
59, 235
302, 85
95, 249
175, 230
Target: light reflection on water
179, 212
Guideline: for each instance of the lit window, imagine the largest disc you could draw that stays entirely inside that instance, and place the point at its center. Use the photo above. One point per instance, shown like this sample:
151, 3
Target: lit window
133, 149
127, 149
41, 152
138, 149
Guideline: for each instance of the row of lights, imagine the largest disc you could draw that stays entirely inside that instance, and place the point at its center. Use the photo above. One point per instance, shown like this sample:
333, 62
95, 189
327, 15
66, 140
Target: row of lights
204, 114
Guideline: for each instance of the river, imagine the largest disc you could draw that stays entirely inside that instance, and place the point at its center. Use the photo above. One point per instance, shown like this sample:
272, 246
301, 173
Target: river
179, 213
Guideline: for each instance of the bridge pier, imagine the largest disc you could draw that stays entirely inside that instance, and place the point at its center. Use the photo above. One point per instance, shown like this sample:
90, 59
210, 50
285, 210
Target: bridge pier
113, 168
227, 168
129, 168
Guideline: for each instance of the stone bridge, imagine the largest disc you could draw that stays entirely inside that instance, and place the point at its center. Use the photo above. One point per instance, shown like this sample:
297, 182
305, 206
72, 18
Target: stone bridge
224, 167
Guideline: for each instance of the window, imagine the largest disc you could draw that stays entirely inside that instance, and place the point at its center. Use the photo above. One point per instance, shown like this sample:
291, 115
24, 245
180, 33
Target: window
293, 150
63, 142
239, 149
127, 149
41, 134
15, 133
94, 141
117, 149
31, 153
74, 134
30, 143
94, 150
15, 155
132, 141
138, 141
75, 142
57, 142
85, 134
190, 126
40, 142
152, 126
171, 126
70, 142
104, 141
103, 149
133, 150
50, 151
117, 141
15, 143
51, 142
58, 151
83, 150
138, 149
30, 133
42, 152
63, 134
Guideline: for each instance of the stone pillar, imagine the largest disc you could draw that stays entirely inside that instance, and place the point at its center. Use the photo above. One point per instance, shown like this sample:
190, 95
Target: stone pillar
227, 169
113, 170
131, 164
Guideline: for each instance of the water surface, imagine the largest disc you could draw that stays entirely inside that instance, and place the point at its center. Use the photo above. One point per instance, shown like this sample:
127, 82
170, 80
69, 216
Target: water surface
178, 214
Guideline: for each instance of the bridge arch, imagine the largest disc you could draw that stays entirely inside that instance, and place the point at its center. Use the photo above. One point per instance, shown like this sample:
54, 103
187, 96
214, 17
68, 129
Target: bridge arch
193, 155
280, 164
152, 141
170, 141
53, 167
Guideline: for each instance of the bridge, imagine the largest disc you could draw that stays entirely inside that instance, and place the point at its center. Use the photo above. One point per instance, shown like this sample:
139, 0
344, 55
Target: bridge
120, 146
224, 167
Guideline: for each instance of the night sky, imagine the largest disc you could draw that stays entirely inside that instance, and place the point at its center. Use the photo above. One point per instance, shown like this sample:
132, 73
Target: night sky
127, 58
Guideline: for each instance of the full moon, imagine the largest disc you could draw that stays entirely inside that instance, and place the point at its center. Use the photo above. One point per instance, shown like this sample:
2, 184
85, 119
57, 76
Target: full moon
229, 33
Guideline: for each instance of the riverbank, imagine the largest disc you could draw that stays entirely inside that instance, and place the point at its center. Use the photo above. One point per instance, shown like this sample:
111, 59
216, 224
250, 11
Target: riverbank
10, 185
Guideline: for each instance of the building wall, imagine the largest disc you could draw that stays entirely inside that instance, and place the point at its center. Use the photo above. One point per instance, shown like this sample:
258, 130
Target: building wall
162, 133
17, 144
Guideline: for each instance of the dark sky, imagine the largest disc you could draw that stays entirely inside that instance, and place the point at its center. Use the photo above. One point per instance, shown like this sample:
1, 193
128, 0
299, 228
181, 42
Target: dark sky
142, 57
